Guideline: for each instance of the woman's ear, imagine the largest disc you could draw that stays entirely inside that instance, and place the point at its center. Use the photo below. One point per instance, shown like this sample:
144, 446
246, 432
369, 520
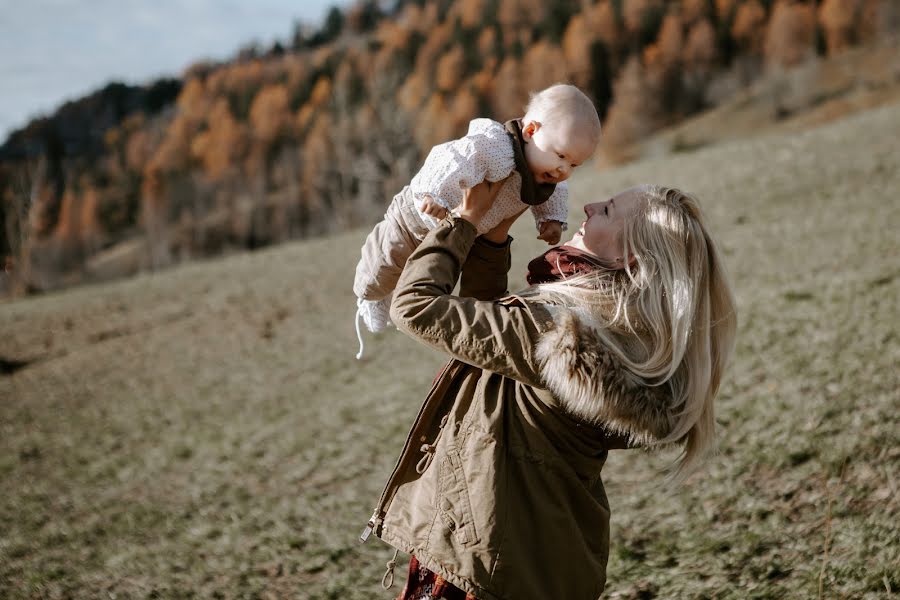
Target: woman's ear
530, 128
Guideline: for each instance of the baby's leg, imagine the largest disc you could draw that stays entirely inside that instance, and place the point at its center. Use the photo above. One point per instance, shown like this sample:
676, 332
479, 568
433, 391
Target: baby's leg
385, 253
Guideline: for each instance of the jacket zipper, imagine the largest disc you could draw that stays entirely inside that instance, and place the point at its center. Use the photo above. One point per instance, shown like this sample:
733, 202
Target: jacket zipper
375, 521
369, 527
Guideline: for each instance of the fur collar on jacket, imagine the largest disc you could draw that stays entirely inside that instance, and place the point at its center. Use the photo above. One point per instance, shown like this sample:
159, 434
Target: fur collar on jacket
592, 385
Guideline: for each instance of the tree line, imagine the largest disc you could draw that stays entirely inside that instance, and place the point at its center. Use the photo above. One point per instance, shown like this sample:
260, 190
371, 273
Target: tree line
315, 134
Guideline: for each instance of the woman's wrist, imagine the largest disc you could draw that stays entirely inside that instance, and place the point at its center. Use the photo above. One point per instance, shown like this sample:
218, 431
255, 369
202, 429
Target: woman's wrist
498, 238
494, 242
458, 221
470, 216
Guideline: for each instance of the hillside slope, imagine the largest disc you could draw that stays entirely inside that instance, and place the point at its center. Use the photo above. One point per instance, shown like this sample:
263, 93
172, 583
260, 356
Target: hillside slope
205, 431
815, 93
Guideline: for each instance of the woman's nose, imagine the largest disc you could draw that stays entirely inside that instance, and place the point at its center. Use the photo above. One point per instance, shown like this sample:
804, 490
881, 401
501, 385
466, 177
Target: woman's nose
589, 210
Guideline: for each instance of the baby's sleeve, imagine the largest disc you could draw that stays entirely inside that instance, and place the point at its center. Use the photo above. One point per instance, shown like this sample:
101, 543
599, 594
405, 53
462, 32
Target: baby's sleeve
556, 208
455, 166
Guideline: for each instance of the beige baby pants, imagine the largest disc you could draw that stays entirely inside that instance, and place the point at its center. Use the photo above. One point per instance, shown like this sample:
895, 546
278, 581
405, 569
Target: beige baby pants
387, 248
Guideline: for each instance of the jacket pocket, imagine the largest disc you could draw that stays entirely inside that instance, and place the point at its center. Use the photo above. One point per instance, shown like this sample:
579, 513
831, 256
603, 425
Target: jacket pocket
454, 506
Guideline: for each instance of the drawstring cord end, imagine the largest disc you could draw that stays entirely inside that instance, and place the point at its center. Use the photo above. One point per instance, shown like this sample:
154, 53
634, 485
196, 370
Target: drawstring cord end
387, 582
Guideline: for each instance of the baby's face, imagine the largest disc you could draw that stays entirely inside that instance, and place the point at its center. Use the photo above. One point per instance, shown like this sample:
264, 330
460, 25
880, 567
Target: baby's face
553, 151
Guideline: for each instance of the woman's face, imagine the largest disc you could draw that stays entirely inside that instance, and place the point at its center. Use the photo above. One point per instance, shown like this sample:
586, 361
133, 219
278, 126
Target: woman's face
601, 233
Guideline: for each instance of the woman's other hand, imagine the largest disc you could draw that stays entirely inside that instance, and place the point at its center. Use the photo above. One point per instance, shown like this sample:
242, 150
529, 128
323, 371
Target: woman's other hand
478, 200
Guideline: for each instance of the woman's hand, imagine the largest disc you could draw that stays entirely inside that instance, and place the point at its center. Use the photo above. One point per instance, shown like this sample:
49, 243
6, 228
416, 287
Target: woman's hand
478, 200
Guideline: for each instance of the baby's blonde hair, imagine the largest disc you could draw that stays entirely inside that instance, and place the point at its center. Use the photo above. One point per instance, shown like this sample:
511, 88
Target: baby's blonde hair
565, 105
670, 316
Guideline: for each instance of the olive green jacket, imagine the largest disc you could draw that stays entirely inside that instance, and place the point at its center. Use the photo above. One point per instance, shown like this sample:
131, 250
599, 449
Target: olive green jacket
498, 486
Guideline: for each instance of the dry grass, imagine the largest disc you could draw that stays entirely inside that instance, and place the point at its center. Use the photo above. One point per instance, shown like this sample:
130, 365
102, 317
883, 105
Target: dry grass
205, 432
815, 93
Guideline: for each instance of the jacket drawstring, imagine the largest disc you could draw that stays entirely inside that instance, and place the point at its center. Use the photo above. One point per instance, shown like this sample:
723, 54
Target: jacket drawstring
423, 463
428, 449
387, 581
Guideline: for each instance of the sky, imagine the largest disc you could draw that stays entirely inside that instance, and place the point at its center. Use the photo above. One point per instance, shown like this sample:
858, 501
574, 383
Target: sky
52, 51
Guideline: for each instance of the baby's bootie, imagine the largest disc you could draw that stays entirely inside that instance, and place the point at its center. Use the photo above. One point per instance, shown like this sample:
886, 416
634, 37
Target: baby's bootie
376, 314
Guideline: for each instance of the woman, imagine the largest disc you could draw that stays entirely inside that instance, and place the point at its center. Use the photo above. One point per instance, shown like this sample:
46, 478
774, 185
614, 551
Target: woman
621, 342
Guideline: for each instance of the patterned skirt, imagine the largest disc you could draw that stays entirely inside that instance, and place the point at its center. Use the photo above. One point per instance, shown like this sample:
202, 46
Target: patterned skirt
423, 584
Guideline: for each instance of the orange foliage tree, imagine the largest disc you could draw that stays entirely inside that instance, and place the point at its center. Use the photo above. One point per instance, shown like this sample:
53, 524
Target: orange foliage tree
517, 19
638, 14
449, 71
270, 114
317, 166
748, 30
576, 45
224, 142
635, 111
699, 55
543, 65
700, 50
193, 101
602, 20
724, 8
510, 94
839, 21
432, 125
463, 107
694, 10
670, 43
470, 12
663, 60
790, 34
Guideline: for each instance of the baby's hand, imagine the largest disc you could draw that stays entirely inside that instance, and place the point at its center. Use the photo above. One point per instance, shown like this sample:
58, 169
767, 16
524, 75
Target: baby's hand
550, 232
433, 209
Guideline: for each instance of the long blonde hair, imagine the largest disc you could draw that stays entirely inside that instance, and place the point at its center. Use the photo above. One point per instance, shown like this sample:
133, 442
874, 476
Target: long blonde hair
669, 315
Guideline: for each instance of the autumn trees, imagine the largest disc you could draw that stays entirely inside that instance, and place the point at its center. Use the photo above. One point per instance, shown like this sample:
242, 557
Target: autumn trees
319, 132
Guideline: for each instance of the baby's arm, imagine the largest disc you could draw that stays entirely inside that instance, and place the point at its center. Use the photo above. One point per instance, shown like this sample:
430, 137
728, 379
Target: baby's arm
455, 166
550, 232
431, 208
551, 216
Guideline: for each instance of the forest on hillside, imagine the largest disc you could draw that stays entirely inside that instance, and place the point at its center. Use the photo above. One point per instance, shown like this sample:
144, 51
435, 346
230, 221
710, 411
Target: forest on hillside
317, 133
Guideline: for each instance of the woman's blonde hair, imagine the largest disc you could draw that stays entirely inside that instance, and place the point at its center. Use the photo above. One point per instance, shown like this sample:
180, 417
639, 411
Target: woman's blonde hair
669, 315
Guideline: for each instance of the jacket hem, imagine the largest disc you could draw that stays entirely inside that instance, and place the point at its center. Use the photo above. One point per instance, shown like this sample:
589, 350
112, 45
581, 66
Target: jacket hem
432, 564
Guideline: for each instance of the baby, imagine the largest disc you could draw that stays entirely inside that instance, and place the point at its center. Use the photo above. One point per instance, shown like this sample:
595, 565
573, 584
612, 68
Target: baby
538, 152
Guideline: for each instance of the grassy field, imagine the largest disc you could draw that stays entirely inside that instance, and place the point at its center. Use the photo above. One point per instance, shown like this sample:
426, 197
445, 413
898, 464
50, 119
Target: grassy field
206, 432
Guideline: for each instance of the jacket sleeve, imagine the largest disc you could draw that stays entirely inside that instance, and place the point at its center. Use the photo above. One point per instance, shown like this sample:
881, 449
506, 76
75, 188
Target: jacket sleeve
484, 274
493, 336
556, 208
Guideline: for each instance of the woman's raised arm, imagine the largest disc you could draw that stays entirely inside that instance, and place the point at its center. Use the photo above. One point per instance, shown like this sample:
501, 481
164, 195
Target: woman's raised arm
484, 274
487, 334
